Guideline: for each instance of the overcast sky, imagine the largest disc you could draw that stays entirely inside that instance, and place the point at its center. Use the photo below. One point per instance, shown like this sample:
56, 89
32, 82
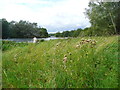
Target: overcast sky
54, 15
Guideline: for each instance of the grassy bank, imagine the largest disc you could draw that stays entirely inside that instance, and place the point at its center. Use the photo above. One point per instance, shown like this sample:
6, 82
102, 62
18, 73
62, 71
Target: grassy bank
67, 63
7, 45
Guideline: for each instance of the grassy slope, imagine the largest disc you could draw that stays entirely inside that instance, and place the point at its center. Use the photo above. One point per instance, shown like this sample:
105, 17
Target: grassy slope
41, 65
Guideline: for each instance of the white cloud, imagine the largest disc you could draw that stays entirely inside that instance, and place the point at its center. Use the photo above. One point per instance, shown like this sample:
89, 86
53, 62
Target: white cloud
53, 15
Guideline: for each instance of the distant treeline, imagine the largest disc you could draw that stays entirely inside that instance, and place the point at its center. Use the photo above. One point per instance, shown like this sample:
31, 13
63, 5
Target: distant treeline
104, 18
72, 33
22, 29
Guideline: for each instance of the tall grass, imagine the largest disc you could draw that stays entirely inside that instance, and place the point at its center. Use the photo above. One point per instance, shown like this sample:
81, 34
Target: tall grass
7, 45
41, 65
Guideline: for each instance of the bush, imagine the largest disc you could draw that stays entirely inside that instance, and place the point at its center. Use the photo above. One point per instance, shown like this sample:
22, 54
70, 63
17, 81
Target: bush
42, 40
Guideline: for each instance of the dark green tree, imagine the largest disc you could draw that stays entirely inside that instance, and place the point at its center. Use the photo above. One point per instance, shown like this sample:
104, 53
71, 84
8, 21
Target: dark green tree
22, 29
43, 32
26, 29
104, 17
5, 28
77, 32
58, 34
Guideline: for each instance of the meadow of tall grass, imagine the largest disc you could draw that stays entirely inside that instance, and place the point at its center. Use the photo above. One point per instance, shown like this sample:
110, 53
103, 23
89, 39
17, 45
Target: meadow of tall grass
7, 45
83, 62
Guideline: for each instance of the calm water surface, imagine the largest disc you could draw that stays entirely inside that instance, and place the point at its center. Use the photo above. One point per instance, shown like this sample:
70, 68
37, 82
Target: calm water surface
31, 39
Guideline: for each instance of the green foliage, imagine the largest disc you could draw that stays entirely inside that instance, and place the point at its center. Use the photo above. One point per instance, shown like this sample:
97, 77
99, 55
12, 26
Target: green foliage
88, 65
5, 28
22, 29
104, 17
58, 34
51, 35
43, 32
42, 40
73, 33
7, 45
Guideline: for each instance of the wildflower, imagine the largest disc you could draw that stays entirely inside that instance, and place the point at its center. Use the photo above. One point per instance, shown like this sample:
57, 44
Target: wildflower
105, 74
83, 39
15, 57
88, 40
78, 45
58, 44
83, 42
93, 43
65, 58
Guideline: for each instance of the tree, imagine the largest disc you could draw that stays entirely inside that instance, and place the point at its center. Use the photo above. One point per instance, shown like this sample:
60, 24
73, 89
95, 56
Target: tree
12, 29
76, 32
58, 34
22, 29
5, 28
66, 34
72, 33
104, 16
43, 32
